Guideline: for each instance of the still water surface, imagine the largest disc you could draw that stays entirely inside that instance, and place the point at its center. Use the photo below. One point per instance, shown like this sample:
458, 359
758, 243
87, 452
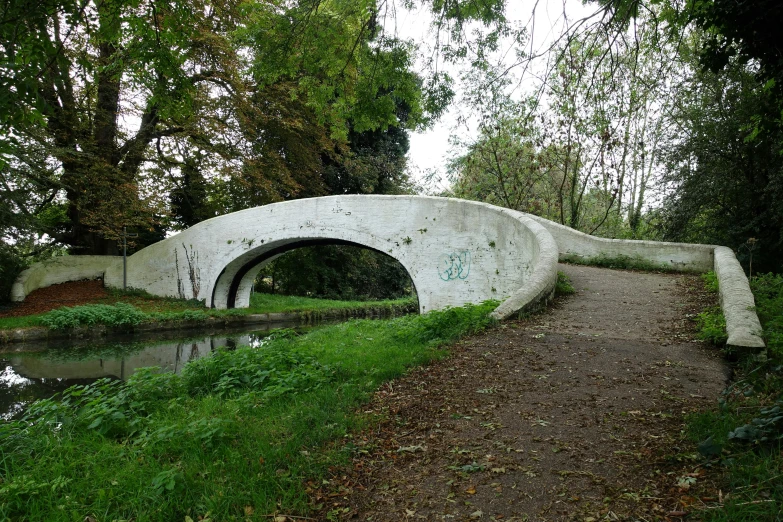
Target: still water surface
43, 373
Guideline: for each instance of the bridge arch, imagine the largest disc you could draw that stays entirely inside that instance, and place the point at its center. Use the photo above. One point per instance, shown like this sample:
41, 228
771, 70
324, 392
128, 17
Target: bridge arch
455, 251
240, 274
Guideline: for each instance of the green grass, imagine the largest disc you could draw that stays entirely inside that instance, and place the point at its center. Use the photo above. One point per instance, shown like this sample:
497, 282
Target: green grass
712, 326
270, 303
743, 436
237, 436
711, 322
26, 321
563, 285
618, 262
710, 281
133, 307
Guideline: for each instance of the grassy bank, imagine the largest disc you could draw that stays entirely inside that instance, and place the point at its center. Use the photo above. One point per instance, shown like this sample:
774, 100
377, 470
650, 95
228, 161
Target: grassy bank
241, 435
742, 436
136, 307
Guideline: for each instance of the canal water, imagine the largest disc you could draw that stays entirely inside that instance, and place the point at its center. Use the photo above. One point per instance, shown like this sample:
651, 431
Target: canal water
42, 371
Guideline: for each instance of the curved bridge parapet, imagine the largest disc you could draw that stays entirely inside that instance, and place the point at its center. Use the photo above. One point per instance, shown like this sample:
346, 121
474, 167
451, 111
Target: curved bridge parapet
455, 251
742, 323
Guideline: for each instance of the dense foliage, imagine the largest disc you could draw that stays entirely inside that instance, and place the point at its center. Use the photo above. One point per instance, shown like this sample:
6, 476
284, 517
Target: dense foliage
336, 272
726, 174
105, 99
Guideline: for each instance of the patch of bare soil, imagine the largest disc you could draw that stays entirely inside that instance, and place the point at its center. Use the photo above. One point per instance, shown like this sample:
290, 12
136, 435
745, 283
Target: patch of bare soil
64, 294
573, 414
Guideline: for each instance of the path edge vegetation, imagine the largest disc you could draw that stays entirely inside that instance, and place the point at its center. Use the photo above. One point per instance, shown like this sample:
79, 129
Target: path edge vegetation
241, 435
619, 262
741, 437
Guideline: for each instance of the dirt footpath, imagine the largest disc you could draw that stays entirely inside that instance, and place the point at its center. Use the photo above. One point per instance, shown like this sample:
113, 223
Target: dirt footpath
573, 414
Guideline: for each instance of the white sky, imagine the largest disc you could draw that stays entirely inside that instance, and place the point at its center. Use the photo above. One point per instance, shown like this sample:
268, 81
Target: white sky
431, 150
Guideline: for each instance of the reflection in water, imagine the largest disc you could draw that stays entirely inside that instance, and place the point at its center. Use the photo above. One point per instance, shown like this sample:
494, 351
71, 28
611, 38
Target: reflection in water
17, 391
26, 377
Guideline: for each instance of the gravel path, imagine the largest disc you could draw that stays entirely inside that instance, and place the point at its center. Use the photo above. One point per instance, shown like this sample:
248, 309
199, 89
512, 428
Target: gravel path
572, 414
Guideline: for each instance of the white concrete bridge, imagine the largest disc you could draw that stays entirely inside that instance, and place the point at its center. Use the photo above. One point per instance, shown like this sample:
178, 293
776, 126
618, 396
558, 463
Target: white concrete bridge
455, 251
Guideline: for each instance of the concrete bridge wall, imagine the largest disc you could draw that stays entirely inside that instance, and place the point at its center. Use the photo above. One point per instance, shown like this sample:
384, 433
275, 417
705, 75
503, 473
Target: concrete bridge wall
61, 270
455, 251
742, 323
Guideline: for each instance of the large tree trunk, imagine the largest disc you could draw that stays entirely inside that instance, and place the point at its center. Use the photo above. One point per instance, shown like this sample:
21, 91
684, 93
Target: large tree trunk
96, 186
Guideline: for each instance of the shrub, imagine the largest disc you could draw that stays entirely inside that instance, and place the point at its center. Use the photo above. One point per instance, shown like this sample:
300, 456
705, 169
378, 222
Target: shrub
119, 314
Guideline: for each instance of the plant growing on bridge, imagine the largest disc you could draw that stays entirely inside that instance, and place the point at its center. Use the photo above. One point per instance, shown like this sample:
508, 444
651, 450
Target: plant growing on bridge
563, 285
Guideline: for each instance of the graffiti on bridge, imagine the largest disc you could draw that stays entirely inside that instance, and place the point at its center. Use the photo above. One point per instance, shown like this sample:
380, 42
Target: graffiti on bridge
454, 266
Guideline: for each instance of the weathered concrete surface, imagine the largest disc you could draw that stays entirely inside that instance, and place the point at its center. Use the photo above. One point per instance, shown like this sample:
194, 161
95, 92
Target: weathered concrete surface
736, 299
455, 251
540, 286
60, 270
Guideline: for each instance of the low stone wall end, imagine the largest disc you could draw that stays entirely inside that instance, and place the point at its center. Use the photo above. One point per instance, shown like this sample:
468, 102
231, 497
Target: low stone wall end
540, 287
60, 269
736, 299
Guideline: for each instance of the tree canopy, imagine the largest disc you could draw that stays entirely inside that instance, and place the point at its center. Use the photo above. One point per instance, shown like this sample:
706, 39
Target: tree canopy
108, 104
157, 115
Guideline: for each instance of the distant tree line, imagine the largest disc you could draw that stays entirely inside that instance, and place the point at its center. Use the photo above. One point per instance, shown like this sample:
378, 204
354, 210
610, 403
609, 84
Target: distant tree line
653, 120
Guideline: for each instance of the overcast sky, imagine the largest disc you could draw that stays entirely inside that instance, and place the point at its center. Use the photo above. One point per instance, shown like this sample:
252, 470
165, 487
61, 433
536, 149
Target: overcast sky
430, 150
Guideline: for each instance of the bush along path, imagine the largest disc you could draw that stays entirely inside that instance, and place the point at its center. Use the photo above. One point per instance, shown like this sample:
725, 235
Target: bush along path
578, 413
741, 438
